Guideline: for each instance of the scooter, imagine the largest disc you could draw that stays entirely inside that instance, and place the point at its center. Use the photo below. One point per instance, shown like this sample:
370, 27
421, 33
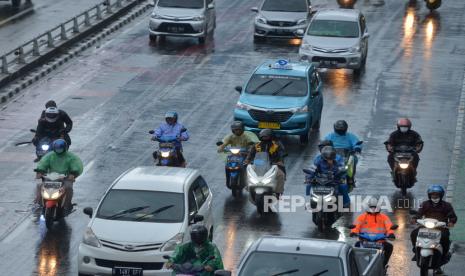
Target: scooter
404, 171
433, 4
346, 4
53, 198
234, 168
349, 162
428, 249
261, 181
189, 268
166, 153
43, 146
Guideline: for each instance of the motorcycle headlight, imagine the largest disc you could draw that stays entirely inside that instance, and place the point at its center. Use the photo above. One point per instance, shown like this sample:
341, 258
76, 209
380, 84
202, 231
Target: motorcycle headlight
266, 181
90, 238
315, 198
235, 151
45, 194
302, 22
165, 154
242, 106
306, 47
355, 49
403, 165
55, 195
253, 180
170, 245
261, 20
327, 198
430, 224
45, 147
199, 18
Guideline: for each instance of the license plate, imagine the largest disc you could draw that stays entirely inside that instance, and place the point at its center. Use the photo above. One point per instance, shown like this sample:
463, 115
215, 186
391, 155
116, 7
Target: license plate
127, 271
271, 125
429, 233
176, 29
322, 190
330, 62
370, 244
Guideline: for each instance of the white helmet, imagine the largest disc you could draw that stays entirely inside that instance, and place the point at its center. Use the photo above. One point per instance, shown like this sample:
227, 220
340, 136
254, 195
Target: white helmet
51, 114
372, 206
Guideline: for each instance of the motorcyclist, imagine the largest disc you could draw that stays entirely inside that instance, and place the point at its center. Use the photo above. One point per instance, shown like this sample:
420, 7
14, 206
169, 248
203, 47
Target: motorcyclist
197, 252
404, 136
171, 127
239, 137
435, 207
345, 140
275, 150
329, 163
375, 222
61, 161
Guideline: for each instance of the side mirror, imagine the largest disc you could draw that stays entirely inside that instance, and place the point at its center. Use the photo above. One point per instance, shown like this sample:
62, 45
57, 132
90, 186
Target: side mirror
366, 35
166, 257
197, 218
351, 226
211, 6
238, 89
151, 132
254, 9
312, 12
32, 130
300, 32
219, 143
359, 143
222, 273
394, 227
307, 171
183, 129
88, 211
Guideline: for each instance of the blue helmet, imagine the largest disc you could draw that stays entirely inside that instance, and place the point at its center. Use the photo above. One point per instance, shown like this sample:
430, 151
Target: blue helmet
171, 115
436, 189
59, 146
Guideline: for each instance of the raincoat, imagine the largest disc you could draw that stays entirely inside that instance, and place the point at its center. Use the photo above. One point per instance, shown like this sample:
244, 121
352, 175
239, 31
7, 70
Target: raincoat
347, 141
65, 163
186, 253
166, 129
373, 223
242, 141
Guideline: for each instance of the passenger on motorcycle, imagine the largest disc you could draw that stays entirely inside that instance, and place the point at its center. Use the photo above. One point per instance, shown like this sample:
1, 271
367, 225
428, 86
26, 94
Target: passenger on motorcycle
328, 163
239, 137
404, 136
275, 150
171, 127
375, 222
345, 140
61, 161
197, 252
438, 209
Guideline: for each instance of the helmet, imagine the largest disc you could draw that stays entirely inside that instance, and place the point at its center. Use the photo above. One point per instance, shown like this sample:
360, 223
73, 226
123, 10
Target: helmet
328, 153
59, 146
404, 124
340, 127
372, 206
199, 234
50, 103
324, 143
265, 134
171, 117
436, 189
237, 125
51, 114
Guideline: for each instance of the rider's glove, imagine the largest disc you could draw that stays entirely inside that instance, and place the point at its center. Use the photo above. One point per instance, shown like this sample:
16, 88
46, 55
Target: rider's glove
391, 236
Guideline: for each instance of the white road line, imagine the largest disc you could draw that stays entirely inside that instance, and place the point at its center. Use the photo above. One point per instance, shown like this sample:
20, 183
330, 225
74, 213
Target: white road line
457, 144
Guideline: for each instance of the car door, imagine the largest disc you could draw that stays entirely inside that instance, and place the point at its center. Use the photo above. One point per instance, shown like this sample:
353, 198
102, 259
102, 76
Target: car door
210, 14
202, 197
363, 34
316, 99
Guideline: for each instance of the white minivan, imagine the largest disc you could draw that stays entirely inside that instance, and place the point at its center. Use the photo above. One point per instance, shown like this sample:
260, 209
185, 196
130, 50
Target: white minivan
144, 214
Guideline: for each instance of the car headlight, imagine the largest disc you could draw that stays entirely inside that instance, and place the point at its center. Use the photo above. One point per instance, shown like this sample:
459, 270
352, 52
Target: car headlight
303, 109
171, 244
302, 22
430, 224
242, 106
306, 47
156, 16
90, 238
199, 18
355, 49
165, 154
45, 147
403, 165
261, 20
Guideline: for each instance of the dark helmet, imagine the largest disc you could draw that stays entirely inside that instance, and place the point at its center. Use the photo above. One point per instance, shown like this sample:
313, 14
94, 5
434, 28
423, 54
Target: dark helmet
436, 189
199, 234
51, 114
340, 127
404, 122
328, 153
237, 125
50, 103
265, 134
171, 117
325, 143
59, 146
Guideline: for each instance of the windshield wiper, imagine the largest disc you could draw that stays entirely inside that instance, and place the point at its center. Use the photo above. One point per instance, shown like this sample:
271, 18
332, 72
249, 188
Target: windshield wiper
159, 210
128, 211
320, 273
260, 86
282, 88
286, 272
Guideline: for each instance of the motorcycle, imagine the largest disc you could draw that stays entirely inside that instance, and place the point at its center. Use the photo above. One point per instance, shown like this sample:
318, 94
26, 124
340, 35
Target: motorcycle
433, 4
346, 4
53, 198
349, 162
234, 168
166, 153
404, 171
324, 189
261, 180
428, 249
189, 268
43, 146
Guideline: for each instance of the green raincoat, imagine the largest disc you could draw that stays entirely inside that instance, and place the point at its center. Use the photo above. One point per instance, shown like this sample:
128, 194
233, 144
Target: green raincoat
64, 163
186, 253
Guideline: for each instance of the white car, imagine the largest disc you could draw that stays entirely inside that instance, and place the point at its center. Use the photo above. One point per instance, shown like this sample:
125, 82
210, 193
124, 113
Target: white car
144, 214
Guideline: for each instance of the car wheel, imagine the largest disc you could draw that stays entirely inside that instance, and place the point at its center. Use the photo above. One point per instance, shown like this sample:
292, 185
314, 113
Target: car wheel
153, 37
202, 40
316, 125
258, 39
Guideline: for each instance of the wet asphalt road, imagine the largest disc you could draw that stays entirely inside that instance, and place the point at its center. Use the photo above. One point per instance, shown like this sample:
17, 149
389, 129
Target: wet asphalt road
118, 91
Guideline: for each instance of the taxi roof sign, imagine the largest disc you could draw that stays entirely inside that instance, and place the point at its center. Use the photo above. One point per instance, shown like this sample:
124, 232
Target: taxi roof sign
281, 64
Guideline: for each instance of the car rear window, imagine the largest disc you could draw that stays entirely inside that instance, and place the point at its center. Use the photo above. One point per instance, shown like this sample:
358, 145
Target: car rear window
277, 85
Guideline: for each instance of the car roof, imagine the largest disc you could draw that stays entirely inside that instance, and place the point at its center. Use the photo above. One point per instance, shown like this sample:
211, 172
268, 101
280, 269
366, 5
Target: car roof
154, 178
299, 69
300, 246
337, 14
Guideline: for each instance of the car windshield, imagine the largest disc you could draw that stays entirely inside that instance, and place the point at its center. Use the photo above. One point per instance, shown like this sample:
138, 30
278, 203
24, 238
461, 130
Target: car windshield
333, 28
290, 264
187, 4
277, 85
285, 6
147, 206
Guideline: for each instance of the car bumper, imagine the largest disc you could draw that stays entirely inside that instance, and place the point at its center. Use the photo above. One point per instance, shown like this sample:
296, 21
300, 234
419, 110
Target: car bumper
264, 30
297, 124
100, 260
177, 28
329, 60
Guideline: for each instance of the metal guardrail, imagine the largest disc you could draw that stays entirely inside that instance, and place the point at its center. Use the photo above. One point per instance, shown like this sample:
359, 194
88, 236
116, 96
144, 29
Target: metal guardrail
53, 37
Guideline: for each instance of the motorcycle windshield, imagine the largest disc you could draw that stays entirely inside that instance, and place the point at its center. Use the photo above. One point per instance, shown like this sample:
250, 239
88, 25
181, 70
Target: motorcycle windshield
343, 152
404, 148
166, 140
372, 236
261, 163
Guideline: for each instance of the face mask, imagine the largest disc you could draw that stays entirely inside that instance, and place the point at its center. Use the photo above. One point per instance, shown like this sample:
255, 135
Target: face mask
436, 200
403, 129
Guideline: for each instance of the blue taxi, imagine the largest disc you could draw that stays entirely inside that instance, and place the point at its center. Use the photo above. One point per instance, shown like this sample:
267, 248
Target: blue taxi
284, 96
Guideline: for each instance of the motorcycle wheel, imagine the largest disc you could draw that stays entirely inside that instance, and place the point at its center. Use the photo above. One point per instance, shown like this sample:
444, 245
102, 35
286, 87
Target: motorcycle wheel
322, 223
236, 192
424, 266
260, 202
49, 217
403, 185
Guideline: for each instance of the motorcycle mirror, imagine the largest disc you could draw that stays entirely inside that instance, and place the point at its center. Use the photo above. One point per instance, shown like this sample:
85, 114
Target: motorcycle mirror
300, 32
413, 212
359, 143
219, 143
151, 132
238, 89
351, 226
166, 257
254, 9
307, 171
88, 211
222, 273
394, 227
32, 130
183, 129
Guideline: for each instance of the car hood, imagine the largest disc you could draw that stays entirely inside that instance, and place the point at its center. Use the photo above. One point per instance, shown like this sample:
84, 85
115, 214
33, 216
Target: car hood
283, 16
178, 12
272, 102
331, 42
134, 232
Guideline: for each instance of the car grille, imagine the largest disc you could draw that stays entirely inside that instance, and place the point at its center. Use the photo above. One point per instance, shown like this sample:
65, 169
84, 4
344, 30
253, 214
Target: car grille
180, 27
131, 248
281, 23
337, 59
265, 116
144, 266
335, 51
283, 33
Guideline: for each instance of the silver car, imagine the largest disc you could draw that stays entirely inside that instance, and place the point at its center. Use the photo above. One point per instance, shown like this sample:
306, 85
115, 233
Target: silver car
336, 38
281, 19
190, 18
